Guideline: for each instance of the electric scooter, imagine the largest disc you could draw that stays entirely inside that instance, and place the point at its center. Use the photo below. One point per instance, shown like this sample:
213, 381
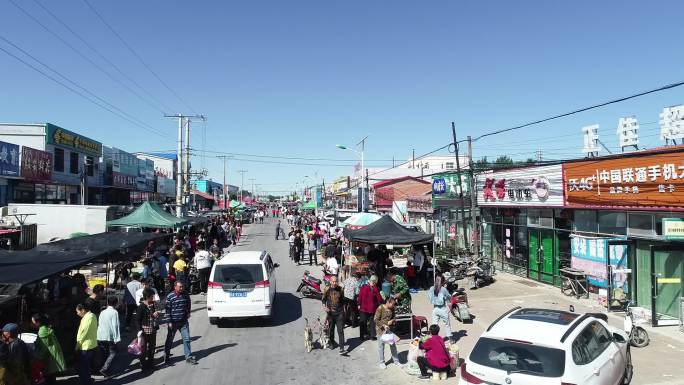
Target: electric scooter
638, 337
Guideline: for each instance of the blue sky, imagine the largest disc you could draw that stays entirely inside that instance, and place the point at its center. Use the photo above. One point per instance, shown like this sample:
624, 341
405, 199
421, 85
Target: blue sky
292, 78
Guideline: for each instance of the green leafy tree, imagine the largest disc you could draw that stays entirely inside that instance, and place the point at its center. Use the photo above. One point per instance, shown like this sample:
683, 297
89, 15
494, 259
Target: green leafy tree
503, 161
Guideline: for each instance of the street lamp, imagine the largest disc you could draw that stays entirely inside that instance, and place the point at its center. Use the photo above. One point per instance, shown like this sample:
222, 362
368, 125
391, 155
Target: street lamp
360, 153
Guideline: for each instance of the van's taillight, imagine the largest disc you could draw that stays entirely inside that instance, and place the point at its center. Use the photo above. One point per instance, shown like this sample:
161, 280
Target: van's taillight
262, 284
469, 377
566, 383
215, 284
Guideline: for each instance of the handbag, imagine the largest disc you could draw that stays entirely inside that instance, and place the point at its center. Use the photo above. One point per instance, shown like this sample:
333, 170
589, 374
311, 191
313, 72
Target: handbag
389, 338
137, 347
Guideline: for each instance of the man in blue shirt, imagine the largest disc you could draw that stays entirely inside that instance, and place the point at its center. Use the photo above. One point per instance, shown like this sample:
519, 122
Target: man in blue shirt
439, 298
178, 313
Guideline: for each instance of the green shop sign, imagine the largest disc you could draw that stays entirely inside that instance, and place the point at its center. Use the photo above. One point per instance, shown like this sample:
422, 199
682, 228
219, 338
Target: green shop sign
446, 189
65, 138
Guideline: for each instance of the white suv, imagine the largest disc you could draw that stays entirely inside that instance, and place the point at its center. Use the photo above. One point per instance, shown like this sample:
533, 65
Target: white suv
542, 346
242, 284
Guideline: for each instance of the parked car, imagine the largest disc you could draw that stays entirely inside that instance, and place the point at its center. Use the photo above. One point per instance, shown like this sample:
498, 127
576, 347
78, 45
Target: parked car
543, 346
242, 286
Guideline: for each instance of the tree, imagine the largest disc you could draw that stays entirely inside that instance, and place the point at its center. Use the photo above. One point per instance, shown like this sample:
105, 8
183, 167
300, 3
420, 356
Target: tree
530, 161
482, 164
503, 161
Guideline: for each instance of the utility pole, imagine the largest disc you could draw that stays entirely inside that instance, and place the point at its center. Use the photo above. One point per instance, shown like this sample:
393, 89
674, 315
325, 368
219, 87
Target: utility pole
460, 187
473, 201
180, 160
225, 185
364, 191
252, 190
242, 183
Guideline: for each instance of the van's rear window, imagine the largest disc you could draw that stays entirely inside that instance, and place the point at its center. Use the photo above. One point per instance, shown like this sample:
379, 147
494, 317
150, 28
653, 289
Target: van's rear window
239, 274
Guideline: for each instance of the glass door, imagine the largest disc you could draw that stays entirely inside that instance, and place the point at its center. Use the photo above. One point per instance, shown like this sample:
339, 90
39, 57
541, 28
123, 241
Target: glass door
668, 265
541, 253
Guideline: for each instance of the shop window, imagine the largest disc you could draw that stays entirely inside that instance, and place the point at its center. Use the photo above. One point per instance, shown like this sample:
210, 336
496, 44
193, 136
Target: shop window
59, 160
541, 218
659, 221
612, 222
562, 219
73, 162
40, 192
449, 165
641, 224
90, 165
50, 192
585, 220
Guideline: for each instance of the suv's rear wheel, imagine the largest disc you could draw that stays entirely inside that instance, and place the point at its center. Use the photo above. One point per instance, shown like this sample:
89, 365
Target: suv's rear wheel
213, 320
629, 369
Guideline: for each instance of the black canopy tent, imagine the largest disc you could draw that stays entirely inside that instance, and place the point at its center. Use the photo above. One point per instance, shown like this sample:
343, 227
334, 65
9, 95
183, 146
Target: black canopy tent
386, 231
103, 242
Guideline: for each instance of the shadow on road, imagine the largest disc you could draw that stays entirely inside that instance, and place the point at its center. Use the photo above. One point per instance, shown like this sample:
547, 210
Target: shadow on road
288, 308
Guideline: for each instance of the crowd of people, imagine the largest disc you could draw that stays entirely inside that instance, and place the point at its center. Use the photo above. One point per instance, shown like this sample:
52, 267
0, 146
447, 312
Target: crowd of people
156, 292
369, 297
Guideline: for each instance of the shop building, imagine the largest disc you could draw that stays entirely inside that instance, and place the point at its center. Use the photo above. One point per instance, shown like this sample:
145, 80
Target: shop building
524, 228
9, 171
388, 192
451, 216
76, 177
619, 218
120, 176
164, 174
635, 203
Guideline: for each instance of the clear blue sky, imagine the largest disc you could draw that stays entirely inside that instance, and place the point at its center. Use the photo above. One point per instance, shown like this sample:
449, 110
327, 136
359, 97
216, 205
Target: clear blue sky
292, 78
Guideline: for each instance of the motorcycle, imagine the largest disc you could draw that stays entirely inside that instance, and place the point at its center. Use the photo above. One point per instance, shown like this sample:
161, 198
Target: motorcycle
480, 273
638, 337
312, 287
193, 279
459, 306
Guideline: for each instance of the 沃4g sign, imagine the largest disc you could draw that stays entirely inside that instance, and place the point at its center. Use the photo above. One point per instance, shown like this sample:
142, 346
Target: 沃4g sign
645, 181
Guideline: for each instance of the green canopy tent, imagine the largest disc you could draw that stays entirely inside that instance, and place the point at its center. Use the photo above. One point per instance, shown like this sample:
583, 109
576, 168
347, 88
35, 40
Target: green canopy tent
310, 205
148, 215
236, 205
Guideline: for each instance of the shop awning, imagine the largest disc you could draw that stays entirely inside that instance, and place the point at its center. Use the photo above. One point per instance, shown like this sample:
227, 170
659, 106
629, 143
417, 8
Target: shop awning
204, 195
148, 215
386, 231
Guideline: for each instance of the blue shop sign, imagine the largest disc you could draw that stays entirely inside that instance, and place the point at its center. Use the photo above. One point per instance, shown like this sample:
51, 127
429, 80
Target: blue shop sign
9, 159
439, 186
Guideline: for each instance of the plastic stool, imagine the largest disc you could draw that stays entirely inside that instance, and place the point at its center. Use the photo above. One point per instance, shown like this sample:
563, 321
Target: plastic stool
420, 323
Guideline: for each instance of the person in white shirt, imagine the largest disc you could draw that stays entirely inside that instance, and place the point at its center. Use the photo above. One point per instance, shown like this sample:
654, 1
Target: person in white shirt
331, 266
202, 261
291, 241
146, 284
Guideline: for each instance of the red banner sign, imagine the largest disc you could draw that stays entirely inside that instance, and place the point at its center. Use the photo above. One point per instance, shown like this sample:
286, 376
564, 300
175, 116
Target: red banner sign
123, 180
36, 165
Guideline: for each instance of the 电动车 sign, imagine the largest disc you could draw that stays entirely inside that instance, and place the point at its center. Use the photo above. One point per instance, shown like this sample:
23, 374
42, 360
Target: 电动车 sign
61, 137
36, 165
531, 186
9, 159
638, 181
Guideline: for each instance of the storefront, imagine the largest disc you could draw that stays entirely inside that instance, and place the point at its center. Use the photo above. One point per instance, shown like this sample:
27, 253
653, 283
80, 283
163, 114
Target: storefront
524, 228
420, 212
451, 216
638, 199
9, 171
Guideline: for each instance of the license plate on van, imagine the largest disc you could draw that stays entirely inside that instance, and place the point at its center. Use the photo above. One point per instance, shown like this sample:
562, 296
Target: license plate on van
238, 294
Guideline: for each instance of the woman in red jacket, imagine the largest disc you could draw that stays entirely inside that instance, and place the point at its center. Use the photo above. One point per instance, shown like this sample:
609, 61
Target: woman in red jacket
436, 355
369, 300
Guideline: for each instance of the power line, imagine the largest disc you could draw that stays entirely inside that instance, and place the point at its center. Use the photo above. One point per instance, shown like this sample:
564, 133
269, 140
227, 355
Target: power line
70, 88
622, 99
136, 121
140, 59
79, 53
288, 157
122, 73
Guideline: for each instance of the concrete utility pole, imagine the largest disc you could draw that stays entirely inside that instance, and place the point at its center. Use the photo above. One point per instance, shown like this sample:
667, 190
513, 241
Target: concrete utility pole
225, 185
182, 162
473, 201
242, 182
460, 188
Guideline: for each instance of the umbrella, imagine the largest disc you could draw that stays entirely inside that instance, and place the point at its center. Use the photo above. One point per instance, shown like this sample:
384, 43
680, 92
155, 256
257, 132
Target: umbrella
360, 220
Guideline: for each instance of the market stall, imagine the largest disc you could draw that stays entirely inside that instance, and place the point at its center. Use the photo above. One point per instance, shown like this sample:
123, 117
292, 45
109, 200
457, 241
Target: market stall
148, 215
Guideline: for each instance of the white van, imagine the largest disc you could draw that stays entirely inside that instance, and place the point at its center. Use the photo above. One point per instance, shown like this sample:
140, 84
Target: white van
242, 284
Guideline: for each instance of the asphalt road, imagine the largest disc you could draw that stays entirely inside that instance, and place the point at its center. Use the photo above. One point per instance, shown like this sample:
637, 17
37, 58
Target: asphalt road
252, 352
